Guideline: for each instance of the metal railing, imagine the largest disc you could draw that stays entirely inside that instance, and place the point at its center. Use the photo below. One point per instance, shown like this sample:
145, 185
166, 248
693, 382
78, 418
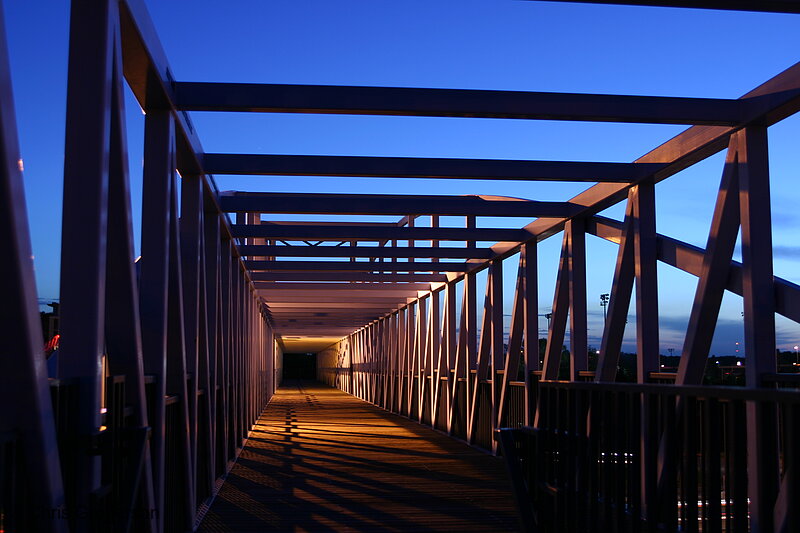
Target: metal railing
590, 465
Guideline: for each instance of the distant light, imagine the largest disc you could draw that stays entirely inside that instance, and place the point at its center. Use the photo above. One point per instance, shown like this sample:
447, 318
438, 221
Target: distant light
738, 363
662, 366
21, 165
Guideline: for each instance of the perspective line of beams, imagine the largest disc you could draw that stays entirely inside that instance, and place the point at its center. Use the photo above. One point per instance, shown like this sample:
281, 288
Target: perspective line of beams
349, 277
404, 101
374, 252
375, 233
357, 266
391, 204
418, 167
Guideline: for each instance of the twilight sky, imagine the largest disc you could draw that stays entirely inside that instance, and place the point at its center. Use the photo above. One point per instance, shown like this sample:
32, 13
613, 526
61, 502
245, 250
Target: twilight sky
497, 44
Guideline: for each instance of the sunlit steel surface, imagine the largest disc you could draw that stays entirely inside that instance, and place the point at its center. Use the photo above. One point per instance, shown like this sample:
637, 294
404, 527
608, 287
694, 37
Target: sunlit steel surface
167, 362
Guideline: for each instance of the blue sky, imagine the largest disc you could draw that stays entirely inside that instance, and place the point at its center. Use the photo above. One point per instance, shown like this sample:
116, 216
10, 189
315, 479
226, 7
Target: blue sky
500, 44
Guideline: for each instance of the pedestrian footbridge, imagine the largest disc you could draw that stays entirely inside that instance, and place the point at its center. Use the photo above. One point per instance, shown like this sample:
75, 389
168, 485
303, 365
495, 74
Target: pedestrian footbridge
434, 403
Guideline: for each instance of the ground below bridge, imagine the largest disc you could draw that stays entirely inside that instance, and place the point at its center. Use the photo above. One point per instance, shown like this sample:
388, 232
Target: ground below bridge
322, 460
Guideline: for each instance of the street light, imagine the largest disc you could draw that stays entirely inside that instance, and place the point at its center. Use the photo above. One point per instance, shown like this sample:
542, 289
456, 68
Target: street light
796, 360
604, 302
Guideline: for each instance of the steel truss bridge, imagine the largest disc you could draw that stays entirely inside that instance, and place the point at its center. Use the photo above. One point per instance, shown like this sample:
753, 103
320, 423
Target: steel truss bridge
166, 362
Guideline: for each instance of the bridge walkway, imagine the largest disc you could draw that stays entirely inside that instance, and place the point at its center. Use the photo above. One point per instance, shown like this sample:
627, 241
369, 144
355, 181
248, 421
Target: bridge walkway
322, 460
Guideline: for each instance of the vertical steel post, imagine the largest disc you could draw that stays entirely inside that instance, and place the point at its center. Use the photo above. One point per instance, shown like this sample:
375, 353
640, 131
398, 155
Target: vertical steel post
122, 328
645, 258
497, 349
575, 230
190, 224
83, 236
157, 184
531, 338
759, 322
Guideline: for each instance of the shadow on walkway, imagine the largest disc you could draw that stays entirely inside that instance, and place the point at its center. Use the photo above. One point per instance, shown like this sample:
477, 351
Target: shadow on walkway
321, 460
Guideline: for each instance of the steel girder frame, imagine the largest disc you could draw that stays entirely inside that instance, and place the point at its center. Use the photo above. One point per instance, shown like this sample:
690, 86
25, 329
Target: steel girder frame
187, 331
195, 323
739, 205
411, 354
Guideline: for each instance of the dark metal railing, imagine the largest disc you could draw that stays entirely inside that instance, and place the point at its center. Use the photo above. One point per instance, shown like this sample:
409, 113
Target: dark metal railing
619, 457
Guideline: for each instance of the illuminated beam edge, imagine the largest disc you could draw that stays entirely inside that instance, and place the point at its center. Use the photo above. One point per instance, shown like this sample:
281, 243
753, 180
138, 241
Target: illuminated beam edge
356, 266
391, 204
362, 277
769, 103
415, 167
375, 233
329, 320
306, 310
689, 258
405, 101
325, 299
292, 287
388, 252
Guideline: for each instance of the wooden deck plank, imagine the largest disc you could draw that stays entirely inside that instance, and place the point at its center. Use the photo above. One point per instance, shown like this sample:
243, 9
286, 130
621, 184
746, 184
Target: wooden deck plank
322, 460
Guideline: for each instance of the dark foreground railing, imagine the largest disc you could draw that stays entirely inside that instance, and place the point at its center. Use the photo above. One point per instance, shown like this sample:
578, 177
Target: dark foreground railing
619, 457
120, 448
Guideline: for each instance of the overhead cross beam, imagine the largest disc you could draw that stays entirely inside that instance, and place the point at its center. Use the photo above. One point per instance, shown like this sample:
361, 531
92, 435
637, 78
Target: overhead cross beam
417, 167
375, 233
336, 298
402, 101
391, 204
365, 289
357, 266
362, 277
379, 252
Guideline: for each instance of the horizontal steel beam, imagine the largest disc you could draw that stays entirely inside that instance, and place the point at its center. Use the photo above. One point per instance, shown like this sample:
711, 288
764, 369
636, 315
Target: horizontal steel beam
281, 310
348, 276
381, 252
317, 223
772, 6
361, 288
333, 318
356, 266
417, 167
373, 233
276, 308
403, 101
391, 204
769, 103
315, 328
340, 297
330, 319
